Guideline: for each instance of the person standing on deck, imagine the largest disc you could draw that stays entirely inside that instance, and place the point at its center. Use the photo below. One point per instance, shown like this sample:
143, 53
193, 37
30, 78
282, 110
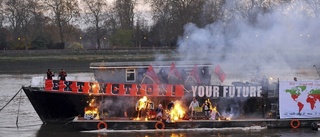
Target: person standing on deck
62, 74
170, 105
141, 106
159, 112
206, 108
193, 106
138, 108
49, 74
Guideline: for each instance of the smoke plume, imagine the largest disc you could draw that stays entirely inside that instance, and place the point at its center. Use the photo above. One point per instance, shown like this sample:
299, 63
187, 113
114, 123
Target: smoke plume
281, 43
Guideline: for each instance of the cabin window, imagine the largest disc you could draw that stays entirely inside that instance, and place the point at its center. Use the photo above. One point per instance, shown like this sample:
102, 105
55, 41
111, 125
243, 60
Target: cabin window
130, 75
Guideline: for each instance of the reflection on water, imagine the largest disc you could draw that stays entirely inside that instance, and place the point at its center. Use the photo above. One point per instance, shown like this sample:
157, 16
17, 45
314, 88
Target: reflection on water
54, 131
58, 130
61, 131
29, 124
66, 131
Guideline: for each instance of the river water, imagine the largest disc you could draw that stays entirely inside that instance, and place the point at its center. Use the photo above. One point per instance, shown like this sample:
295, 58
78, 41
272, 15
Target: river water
19, 119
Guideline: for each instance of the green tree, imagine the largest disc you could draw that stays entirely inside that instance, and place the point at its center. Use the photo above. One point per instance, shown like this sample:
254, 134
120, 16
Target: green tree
75, 46
122, 38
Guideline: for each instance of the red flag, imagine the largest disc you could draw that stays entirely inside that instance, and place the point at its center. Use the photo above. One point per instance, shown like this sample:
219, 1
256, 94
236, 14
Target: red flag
194, 73
152, 75
219, 72
174, 71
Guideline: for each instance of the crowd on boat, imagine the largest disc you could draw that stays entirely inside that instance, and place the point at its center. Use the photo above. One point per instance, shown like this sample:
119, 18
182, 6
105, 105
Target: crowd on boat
175, 110
62, 74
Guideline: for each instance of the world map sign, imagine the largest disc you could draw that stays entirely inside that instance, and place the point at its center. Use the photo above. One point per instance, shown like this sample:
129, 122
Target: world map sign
299, 99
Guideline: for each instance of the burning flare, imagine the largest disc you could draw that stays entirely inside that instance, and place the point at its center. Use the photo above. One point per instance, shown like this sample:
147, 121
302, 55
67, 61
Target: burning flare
92, 111
142, 103
177, 112
141, 106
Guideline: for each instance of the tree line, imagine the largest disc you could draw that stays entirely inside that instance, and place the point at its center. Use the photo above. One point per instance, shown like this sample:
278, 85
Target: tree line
100, 24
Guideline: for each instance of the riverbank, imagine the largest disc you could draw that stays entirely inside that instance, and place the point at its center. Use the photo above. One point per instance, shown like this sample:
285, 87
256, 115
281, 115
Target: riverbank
38, 61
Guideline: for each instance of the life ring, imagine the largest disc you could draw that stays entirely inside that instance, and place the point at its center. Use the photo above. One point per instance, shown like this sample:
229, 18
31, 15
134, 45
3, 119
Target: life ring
159, 123
295, 123
102, 125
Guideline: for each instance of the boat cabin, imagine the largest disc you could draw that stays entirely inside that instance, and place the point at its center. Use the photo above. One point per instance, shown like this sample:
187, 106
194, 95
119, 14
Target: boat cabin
166, 81
163, 72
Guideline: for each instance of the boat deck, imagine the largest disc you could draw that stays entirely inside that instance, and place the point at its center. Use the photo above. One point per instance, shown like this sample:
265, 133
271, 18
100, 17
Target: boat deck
130, 124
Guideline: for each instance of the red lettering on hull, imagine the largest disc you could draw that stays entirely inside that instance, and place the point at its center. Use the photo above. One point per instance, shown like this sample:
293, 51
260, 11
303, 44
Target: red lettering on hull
115, 89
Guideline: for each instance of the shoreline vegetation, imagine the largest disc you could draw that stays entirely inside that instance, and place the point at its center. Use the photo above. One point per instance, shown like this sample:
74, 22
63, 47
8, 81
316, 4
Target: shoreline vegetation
73, 61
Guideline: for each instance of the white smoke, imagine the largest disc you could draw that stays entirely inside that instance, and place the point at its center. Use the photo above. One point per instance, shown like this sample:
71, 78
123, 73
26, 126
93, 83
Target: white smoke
279, 44
117, 106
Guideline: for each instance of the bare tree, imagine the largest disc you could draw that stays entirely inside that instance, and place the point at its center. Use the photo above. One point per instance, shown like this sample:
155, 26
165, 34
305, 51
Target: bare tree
141, 37
35, 22
1, 14
212, 11
96, 14
15, 12
247, 9
18, 16
125, 14
163, 17
171, 15
3, 31
186, 11
314, 6
63, 11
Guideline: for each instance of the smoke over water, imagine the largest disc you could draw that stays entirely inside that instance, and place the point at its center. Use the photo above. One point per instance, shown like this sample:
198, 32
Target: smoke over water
281, 43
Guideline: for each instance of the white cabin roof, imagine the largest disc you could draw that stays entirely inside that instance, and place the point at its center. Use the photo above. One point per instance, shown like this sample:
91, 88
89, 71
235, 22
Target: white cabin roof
146, 64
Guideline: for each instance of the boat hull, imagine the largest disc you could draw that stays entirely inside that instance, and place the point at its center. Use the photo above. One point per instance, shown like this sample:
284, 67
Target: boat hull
55, 107
63, 106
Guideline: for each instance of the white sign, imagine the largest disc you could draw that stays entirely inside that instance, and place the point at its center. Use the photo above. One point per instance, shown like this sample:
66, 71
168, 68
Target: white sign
227, 91
299, 99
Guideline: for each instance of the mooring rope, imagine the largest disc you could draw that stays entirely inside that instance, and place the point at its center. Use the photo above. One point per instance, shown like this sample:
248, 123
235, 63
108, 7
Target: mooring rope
10, 100
17, 120
70, 121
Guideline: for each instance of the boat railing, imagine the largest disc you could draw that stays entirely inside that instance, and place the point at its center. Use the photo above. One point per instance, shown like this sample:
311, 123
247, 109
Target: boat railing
39, 81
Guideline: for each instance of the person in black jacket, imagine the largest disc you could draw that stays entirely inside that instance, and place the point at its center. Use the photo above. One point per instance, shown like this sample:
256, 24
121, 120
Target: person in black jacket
62, 74
170, 105
49, 74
